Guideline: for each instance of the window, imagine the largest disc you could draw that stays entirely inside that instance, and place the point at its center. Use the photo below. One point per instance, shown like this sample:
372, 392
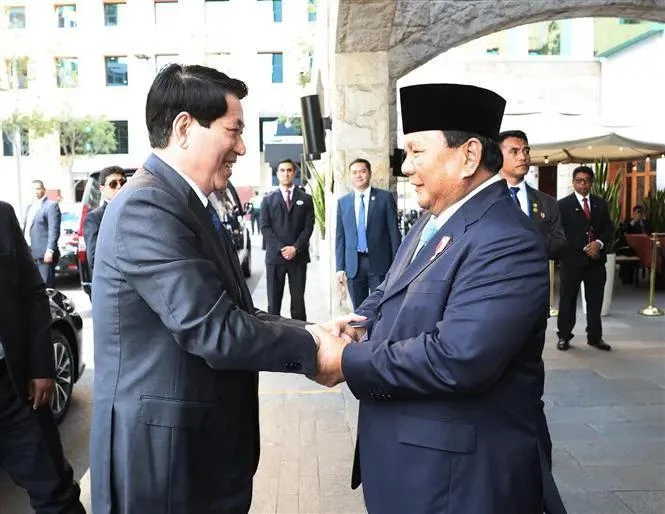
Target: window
67, 71
311, 10
276, 10
629, 21
114, 13
66, 16
17, 72
8, 143
273, 62
166, 13
16, 17
121, 137
162, 60
217, 11
116, 70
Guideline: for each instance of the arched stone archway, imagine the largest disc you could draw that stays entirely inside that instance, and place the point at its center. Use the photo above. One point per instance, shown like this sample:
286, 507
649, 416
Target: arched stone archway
379, 41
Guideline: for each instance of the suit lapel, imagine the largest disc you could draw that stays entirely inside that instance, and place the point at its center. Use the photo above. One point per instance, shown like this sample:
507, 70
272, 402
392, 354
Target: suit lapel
371, 208
222, 252
453, 229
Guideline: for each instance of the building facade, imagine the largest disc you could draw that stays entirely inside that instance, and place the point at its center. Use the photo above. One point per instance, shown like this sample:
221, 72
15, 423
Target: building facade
99, 57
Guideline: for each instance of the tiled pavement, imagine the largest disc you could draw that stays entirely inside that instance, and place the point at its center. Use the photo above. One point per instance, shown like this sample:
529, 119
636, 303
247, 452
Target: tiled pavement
606, 413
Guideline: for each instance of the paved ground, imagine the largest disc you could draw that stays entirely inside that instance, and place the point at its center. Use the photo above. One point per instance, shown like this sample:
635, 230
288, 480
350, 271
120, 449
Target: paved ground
606, 414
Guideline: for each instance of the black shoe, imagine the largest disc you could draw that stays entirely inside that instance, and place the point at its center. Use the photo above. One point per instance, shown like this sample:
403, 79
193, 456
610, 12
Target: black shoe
562, 345
600, 344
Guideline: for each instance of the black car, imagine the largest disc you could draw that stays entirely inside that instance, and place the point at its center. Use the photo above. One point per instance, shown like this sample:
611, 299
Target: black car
235, 223
66, 325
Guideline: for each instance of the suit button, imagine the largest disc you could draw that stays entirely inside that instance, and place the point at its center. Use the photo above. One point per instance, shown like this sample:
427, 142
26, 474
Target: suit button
296, 366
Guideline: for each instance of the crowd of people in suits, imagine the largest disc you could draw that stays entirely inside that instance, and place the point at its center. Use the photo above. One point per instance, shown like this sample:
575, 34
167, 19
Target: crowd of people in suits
443, 349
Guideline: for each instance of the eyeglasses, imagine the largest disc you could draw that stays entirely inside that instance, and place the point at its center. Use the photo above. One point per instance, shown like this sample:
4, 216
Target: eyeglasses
582, 181
116, 183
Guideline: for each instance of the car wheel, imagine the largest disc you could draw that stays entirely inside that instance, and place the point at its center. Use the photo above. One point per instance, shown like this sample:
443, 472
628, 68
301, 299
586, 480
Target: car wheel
64, 377
246, 264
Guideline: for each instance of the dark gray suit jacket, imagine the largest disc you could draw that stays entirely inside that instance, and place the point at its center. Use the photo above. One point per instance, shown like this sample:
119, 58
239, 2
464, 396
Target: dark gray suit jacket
283, 227
91, 231
544, 211
178, 344
45, 230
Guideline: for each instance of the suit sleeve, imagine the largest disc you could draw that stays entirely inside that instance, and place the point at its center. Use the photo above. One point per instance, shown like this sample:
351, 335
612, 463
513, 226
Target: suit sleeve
555, 237
266, 225
185, 290
90, 233
53, 227
606, 230
340, 243
34, 308
302, 241
393, 226
483, 326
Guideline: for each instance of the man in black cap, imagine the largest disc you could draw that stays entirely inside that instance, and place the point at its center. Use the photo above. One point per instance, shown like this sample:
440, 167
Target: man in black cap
449, 372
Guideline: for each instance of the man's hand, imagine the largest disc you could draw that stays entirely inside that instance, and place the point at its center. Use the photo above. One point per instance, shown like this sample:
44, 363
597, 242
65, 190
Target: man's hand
39, 391
48, 256
344, 326
341, 277
328, 357
289, 252
592, 249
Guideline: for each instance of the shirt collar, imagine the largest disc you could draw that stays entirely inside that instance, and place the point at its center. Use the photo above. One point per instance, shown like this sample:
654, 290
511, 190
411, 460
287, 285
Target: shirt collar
448, 213
367, 192
192, 184
580, 197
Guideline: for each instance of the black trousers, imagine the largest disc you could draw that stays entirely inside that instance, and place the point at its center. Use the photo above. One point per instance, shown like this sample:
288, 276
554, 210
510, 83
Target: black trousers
276, 277
364, 282
593, 276
31, 453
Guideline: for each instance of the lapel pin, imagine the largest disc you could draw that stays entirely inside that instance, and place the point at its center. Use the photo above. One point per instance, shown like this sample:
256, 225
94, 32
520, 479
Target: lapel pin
373, 197
441, 246
542, 215
299, 202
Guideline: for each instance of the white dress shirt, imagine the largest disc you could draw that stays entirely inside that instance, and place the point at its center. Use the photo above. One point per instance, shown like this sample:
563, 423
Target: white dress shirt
284, 190
580, 200
446, 214
366, 199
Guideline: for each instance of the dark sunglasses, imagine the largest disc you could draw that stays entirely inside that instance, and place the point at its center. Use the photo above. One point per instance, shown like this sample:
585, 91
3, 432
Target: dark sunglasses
116, 183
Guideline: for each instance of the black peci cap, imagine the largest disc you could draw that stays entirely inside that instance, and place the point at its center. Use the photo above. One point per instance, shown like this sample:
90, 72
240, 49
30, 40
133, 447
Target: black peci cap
451, 107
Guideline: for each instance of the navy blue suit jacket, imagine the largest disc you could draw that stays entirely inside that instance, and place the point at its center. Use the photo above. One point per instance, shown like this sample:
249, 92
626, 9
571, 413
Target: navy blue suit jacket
451, 376
383, 237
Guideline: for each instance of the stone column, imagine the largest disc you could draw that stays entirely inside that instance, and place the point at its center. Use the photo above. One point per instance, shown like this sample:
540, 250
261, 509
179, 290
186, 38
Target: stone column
360, 107
361, 113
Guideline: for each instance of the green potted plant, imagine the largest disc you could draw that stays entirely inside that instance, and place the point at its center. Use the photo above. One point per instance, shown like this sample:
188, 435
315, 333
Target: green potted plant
610, 191
654, 209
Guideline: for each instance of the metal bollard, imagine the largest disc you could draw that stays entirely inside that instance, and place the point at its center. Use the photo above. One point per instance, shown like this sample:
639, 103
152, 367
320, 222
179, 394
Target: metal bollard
554, 312
651, 309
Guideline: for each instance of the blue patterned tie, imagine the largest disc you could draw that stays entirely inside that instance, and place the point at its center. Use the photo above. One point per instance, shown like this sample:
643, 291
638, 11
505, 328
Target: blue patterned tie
514, 191
362, 234
216, 221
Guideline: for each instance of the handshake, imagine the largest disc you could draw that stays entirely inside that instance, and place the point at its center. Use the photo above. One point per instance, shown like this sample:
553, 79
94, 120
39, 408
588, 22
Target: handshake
331, 338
